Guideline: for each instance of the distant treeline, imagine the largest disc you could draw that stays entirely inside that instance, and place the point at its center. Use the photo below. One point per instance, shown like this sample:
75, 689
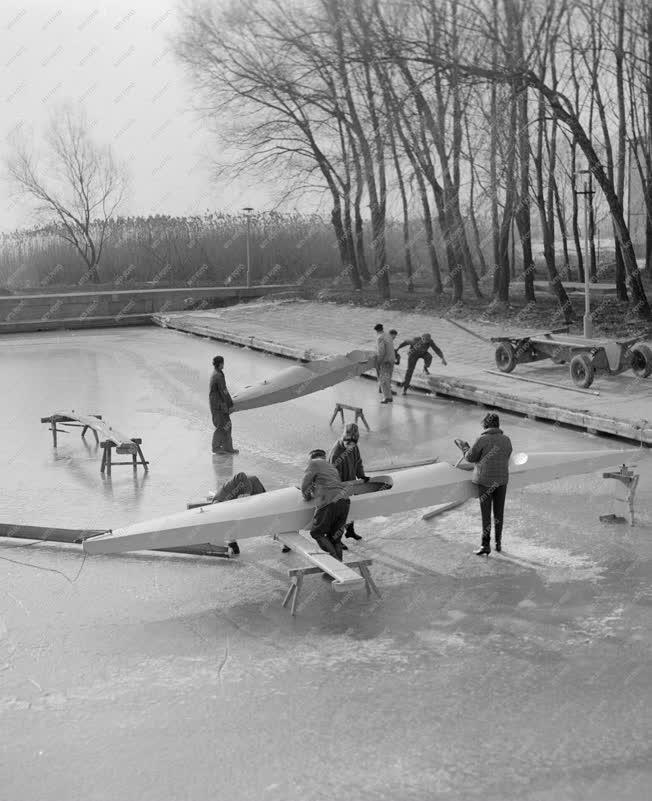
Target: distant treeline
199, 250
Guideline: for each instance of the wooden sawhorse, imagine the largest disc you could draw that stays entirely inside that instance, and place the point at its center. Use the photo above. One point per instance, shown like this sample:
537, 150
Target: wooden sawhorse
132, 447
68, 421
339, 409
112, 438
297, 573
630, 480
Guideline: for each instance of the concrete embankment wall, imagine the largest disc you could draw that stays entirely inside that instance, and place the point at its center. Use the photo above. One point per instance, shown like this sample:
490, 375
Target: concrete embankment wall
49, 311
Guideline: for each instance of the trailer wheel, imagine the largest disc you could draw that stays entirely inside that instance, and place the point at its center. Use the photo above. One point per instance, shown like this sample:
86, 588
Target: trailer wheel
582, 370
641, 360
505, 357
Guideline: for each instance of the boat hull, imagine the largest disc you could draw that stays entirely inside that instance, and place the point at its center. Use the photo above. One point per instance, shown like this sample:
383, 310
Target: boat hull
303, 379
286, 510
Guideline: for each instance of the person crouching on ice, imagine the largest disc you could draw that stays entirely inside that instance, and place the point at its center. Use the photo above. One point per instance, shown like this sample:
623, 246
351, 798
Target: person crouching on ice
346, 458
321, 483
240, 486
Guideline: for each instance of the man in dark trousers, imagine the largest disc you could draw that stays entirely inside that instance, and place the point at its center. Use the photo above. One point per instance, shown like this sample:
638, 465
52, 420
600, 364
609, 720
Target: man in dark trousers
490, 453
345, 456
418, 349
221, 406
240, 486
321, 483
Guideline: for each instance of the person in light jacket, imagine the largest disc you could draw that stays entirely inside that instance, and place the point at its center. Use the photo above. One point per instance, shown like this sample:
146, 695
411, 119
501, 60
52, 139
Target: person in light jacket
345, 457
491, 452
385, 359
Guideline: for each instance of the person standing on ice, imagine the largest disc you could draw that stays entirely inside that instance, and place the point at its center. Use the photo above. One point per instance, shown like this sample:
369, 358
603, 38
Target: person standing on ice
321, 483
418, 349
384, 362
221, 405
490, 453
397, 356
345, 457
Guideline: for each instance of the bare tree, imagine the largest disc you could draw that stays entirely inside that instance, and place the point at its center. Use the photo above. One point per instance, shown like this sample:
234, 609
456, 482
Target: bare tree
529, 75
77, 185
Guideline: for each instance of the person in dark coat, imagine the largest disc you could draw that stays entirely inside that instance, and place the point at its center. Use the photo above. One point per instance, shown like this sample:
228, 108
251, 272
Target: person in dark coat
221, 405
321, 483
490, 453
418, 349
345, 457
240, 486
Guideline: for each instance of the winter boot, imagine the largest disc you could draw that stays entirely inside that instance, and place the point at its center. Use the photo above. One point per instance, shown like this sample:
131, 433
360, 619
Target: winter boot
485, 550
351, 532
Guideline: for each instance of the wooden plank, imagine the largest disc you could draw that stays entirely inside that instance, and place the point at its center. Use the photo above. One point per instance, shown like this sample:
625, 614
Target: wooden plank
390, 468
468, 330
310, 571
109, 433
539, 381
345, 578
438, 510
77, 535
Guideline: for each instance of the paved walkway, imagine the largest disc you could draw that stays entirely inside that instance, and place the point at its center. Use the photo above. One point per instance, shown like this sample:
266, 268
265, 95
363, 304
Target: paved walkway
304, 329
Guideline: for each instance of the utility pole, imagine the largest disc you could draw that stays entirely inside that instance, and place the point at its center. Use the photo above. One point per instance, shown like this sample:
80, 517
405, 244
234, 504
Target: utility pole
247, 210
588, 193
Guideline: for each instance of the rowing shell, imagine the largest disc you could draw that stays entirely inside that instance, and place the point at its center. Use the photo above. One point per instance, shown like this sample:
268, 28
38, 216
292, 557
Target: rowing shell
303, 379
286, 510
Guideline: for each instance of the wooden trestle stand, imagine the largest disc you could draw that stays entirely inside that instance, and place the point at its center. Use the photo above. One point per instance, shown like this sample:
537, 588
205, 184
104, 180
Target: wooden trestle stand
339, 409
111, 438
630, 480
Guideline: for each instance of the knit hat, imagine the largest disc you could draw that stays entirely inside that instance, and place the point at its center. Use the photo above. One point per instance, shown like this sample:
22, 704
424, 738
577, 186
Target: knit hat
491, 420
351, 431
318, 453
378, 327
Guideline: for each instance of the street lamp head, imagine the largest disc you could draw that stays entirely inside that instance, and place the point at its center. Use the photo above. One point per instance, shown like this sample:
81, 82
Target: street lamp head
248, 209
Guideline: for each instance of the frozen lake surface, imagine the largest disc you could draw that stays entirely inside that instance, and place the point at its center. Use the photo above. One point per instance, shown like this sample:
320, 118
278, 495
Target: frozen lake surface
177, 677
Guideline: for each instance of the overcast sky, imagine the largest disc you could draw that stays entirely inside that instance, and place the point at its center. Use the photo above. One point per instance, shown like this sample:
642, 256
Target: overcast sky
115, 59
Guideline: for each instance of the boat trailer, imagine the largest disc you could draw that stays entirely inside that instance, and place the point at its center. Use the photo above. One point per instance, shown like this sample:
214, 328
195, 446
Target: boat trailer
585, 357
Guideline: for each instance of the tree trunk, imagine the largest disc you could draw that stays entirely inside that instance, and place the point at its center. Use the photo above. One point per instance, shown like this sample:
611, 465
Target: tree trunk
561, 219
621, 287
430, 238
472, 215
406, 212
548, 242
346, 257
523, 220
361, 256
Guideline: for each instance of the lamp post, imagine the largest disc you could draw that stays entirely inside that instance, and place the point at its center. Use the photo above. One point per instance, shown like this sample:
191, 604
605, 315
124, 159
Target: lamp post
247, 210
588, 323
